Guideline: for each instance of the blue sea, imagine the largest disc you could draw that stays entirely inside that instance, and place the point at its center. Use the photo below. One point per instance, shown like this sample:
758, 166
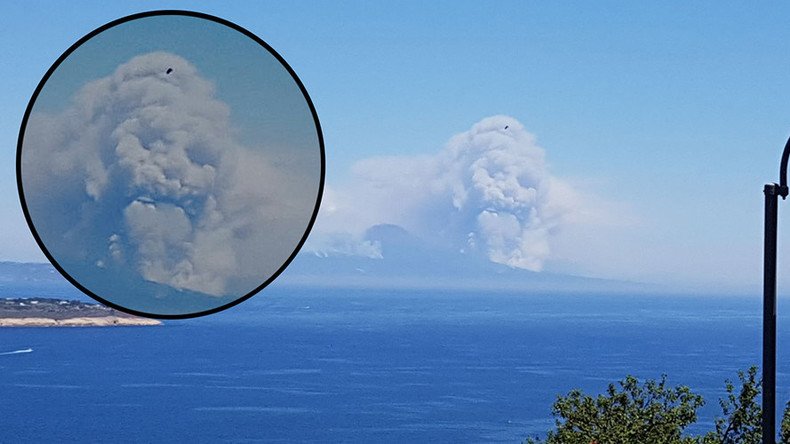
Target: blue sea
368, 366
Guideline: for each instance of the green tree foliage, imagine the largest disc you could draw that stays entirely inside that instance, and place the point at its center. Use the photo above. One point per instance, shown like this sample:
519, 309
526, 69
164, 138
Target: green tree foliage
631, 412
785, 427
741, 423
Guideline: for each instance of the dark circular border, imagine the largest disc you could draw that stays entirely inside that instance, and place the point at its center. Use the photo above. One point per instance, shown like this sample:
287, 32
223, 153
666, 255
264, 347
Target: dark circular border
77, 45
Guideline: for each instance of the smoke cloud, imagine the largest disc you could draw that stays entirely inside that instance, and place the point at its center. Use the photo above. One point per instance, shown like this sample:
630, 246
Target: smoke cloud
143, 169
488, 192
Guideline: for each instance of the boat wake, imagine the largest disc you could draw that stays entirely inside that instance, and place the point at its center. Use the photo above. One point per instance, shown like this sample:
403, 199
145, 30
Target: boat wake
16, 352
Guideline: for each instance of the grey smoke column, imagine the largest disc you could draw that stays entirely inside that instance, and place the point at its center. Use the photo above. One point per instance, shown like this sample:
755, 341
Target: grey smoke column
147, 178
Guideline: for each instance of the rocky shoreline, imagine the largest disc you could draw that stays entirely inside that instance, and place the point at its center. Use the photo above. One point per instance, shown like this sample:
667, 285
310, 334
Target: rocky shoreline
108, 321
45, 312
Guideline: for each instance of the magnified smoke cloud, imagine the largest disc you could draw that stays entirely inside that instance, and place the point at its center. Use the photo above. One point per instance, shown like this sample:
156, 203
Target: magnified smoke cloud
143, 170
488, 192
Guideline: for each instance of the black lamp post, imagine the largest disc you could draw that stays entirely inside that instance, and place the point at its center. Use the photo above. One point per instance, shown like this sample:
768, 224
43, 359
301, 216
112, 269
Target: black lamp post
772, 192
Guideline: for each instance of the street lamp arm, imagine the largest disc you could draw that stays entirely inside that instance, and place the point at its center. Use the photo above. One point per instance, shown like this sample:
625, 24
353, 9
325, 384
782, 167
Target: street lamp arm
783, 189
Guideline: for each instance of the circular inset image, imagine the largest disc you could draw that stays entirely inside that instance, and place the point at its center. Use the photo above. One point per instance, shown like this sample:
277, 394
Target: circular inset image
170, 164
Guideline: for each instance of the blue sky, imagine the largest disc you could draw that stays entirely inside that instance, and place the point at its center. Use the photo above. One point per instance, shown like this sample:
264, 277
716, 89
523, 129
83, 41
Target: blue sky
673, 116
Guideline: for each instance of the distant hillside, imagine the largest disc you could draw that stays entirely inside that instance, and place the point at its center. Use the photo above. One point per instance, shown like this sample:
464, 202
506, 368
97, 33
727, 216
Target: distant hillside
405, 262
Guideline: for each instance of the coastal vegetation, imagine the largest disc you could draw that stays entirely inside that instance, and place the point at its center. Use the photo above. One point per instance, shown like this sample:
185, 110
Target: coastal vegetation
653, 412
47, 312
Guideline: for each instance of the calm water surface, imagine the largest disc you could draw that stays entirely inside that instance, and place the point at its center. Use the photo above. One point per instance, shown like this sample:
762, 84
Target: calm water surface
367, 366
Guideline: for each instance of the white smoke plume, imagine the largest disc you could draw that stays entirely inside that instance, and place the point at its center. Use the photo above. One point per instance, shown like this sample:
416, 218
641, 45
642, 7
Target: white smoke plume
488, 192
143, 169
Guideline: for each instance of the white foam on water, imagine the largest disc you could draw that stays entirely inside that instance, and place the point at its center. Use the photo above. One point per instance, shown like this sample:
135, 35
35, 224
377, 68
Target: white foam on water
16, 352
